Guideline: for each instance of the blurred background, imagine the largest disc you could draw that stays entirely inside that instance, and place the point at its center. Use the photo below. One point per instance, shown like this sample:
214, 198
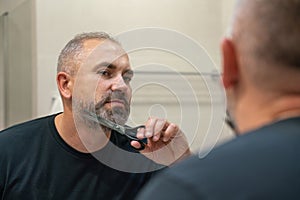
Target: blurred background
33, 32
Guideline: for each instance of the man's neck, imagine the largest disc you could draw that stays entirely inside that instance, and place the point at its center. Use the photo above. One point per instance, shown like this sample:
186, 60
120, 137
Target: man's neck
78, 136
290, 107
253, 117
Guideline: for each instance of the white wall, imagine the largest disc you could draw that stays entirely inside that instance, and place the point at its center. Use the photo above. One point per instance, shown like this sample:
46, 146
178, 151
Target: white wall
17, 67
57, 21
228, 7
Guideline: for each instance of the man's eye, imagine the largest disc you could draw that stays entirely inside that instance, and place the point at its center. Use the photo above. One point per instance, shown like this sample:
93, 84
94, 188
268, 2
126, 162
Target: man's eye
104, 73
127, 79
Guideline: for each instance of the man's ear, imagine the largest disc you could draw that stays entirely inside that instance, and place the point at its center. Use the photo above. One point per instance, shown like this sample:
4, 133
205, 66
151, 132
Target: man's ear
230, 64
65, 84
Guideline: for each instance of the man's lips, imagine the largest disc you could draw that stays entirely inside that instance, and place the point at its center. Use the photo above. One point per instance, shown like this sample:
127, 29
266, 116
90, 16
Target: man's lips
115, 101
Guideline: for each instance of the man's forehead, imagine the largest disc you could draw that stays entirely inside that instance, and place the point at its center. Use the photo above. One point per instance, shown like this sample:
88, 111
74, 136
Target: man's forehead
119, 62
104, 50
103, 45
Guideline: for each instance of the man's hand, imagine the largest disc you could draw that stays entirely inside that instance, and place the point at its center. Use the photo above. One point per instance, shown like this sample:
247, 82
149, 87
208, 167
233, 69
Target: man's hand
166, 142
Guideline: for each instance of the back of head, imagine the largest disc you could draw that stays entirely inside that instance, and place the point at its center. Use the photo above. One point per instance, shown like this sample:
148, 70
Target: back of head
267, 36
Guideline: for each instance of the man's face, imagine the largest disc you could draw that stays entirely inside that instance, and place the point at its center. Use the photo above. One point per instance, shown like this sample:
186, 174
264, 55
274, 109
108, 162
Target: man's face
103, 82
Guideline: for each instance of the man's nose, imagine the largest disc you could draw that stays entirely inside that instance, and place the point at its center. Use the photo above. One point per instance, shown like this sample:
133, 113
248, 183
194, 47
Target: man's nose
119, 84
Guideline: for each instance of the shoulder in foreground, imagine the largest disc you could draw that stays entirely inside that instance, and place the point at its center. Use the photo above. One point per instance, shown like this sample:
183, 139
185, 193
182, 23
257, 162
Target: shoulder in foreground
262, 147
254, 164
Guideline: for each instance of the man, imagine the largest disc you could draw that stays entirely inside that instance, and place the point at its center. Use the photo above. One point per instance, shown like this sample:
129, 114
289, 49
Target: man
261, 76
70, 155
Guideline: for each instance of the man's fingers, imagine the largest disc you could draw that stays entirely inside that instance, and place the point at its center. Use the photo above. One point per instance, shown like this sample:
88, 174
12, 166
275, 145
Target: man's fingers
158, 129
170, 132
135, 144
159, 126
150, 124
141, 133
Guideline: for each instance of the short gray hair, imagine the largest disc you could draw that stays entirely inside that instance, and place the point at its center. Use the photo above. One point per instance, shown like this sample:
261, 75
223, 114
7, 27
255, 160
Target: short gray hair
278, 23
70, 57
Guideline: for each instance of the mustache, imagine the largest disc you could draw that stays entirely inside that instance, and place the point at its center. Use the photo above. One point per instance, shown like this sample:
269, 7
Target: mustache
117, 95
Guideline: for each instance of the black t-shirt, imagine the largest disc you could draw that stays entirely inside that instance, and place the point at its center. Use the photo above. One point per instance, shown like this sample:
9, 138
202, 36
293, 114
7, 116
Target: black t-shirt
263, 164
35, 163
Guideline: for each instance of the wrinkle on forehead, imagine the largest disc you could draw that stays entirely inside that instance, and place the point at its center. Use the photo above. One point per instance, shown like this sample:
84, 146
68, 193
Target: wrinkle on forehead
103, 46
106, 51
